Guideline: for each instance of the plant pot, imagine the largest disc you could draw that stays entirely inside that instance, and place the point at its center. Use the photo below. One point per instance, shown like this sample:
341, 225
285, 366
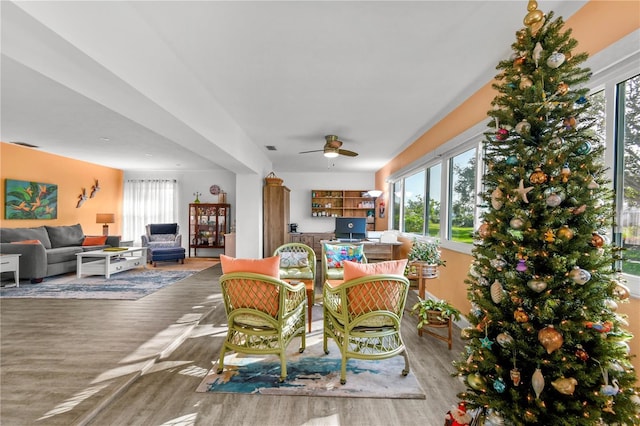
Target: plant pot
435, 319
423, 269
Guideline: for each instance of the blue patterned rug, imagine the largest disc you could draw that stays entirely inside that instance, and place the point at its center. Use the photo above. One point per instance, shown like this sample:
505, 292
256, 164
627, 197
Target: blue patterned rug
127, 285
312, 373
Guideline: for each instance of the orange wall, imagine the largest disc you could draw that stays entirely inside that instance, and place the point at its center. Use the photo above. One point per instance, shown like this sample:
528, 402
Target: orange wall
597, 25
17, 162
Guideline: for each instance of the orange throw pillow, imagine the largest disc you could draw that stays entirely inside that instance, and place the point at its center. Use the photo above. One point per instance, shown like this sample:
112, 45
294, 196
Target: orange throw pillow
268, 300
99, 240
354, 270
27, 242
268, 266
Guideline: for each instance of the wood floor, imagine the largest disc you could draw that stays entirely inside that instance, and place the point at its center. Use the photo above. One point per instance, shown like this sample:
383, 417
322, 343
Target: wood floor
107, 362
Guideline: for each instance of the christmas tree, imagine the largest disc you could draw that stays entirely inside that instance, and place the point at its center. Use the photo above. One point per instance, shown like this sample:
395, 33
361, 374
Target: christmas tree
547, 346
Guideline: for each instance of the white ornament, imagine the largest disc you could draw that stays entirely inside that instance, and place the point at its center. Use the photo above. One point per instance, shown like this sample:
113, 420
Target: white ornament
555, 60
537, 52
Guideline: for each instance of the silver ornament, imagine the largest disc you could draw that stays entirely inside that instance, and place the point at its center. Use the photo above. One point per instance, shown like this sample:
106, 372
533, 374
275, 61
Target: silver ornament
555, 60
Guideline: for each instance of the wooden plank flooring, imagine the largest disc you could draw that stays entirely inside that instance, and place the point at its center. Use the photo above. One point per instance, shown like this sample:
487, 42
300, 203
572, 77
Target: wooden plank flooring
106, 362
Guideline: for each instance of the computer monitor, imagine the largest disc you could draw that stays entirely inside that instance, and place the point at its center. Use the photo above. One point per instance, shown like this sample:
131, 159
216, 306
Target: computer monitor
351, 228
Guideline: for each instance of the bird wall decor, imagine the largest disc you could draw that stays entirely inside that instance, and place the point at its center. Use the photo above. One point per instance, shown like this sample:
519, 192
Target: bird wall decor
94, 189
82, 198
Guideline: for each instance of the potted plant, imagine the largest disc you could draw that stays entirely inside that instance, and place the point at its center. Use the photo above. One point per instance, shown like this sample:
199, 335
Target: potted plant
434, 312
426, 256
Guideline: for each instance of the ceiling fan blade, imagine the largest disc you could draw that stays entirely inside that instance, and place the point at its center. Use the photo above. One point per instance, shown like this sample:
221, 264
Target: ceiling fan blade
315, 150
347, 153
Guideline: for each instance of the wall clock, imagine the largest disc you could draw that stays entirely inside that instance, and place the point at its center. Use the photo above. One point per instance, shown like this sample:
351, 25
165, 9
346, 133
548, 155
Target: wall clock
214, 189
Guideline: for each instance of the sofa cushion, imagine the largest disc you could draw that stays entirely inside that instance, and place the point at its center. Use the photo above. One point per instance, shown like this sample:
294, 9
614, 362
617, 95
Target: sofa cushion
62, 254
98, 240
162, 237
8, 235
65, 236
162, 228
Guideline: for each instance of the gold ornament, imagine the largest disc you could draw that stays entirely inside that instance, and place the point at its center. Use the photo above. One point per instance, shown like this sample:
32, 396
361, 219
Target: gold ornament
484, 231
476, 381
497, 292
538, 176
496, 199
565, 385
525, 83
550, 338
597, 240
565, 233
549, 236
504, 339
565, 172
466, 333
520, 315
569, 123
515, 376
537, 285
621, 291
537, 382
534, 17
563, 89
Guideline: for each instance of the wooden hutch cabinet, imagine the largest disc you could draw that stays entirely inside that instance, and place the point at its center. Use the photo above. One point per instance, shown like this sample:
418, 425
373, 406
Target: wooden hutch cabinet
207, 225
275, 205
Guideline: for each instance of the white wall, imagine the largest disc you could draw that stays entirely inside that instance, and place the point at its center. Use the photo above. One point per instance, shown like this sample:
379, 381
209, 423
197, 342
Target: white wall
301, 185
246, 208
188, 183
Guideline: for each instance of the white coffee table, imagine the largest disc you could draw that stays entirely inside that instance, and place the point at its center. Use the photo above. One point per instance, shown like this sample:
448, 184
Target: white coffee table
110, 262
11, 263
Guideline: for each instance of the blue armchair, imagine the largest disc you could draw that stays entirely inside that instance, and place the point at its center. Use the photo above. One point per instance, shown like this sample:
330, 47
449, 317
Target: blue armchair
162, 235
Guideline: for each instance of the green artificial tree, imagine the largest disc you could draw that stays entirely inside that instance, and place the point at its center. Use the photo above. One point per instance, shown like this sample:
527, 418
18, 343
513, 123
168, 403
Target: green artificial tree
546, 345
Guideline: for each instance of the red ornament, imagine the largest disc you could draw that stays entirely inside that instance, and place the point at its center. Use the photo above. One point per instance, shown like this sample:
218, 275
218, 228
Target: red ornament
581, 353
501, 134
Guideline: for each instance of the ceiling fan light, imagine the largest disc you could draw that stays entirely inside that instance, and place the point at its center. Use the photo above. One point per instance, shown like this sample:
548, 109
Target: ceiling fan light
331, 154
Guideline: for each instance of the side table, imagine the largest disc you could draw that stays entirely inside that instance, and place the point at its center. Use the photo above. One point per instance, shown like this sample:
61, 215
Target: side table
11, 263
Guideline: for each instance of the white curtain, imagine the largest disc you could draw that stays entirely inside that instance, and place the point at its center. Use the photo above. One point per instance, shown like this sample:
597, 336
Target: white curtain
147, 201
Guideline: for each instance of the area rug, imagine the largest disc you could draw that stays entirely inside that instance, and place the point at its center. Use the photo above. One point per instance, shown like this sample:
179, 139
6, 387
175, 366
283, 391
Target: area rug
127, 285
312, 373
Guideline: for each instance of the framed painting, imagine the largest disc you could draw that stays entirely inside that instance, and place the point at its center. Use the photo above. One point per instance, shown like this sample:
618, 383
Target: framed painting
30, 200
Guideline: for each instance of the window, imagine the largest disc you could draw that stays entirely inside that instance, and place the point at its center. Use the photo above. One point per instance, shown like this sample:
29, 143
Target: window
414, 202
628, 172
462, 196
145, 202
434, 183
397, 202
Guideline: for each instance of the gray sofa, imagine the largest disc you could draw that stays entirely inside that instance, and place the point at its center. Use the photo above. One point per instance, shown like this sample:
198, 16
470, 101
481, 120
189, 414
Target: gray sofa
54, 255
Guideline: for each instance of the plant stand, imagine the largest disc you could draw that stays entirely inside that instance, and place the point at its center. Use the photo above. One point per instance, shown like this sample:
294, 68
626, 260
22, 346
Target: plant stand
435, 323
422, 271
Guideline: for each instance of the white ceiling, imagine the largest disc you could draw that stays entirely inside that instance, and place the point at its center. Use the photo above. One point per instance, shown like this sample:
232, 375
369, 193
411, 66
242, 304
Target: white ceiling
196, 85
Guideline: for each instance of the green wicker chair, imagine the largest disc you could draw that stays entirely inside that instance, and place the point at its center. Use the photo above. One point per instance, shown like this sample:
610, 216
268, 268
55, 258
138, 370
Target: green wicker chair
333, 269
298, 263
363, 317
264, 314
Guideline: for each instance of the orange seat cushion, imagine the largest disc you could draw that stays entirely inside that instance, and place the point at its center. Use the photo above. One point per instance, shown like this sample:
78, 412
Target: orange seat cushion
268, 266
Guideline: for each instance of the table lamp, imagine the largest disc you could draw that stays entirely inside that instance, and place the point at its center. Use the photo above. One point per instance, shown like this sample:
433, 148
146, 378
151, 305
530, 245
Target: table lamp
105, 219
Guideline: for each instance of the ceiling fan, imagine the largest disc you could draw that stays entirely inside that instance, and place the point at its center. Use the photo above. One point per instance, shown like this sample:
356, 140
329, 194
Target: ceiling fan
332, 148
